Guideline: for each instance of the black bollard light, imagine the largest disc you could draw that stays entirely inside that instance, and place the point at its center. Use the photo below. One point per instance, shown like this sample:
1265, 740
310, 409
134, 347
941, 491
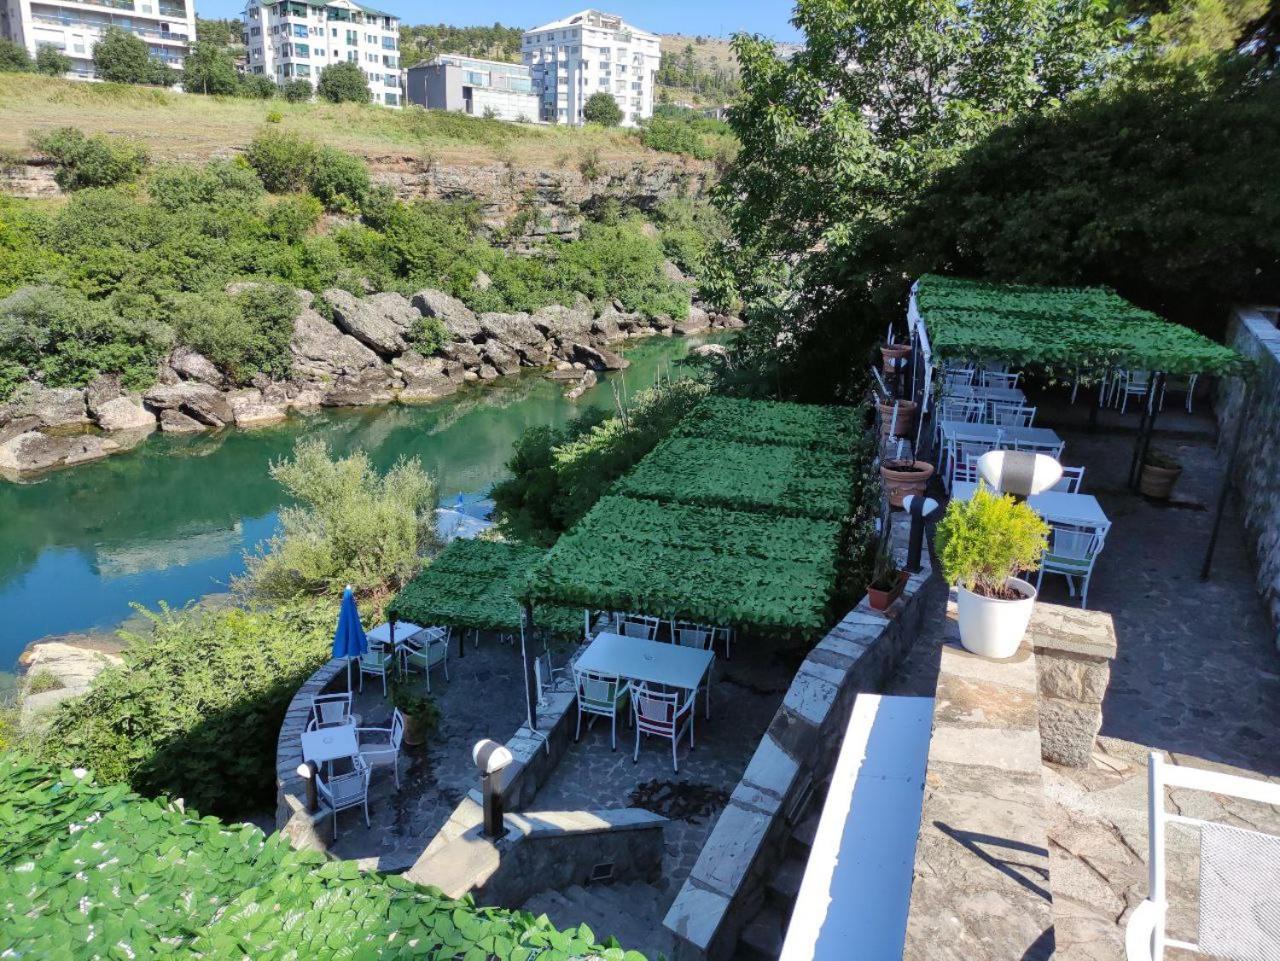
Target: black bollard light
491, 757
922, 510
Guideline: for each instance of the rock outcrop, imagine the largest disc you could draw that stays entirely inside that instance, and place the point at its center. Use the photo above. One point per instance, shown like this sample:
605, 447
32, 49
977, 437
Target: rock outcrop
380, 322
197, 401
34, 451
124, 413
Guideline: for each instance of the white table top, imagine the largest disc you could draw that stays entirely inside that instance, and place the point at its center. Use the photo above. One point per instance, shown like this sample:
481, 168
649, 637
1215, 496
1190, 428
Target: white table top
1052, 505
1010, 394
1037, 435
330, 743
404, 630
641, 660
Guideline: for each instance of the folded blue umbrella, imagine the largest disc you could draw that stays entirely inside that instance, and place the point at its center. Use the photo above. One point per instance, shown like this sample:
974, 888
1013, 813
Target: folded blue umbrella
349, 640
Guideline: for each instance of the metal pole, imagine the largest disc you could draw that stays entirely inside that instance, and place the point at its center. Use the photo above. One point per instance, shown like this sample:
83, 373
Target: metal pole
530, 680
493, 826
1135, 464
1157, 388
313, 801
1226, 484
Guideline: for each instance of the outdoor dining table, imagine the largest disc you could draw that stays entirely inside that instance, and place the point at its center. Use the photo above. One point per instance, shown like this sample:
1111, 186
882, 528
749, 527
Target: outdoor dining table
653, 662
329, 744
1006, 434
1056, 506
1011, 395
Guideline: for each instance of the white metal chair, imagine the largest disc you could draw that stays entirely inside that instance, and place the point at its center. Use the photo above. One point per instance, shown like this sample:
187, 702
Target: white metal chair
1237, 874
663, 714
999, 378
957, 377
331, 710
963, 447
966, 472
343, 791
425, 650
1012, 415
959, 410
1073, 550
1132, 383
601, 695
377, 661
1039, 447
1072, 479
700, 638
639, 626
381, 745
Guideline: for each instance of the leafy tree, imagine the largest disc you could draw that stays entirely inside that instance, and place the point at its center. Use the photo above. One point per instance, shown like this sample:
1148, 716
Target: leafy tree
208, 68
220, 33
493, 43
297, 90
602, 108
343, 83
14, 57
51, 61
254, 86
91, 161
123, 57
244, 335
282, 159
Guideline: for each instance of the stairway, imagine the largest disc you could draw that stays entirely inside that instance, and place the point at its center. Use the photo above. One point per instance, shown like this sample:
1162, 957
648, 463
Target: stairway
630, 911
761, 939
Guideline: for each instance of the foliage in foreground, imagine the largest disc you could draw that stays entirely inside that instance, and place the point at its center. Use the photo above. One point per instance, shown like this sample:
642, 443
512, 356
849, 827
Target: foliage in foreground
989, 538
348, 525
92, 871
195, 710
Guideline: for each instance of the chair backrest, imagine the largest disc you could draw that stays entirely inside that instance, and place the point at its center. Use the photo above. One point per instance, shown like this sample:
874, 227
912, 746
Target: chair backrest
692, 635
996, 378
330, 709
958, 377
962, 410
1072, 479
964, 446
1237, 869
966, 471
349, 787
635, 625
596, 688
1136, 381
1039, 447
1012, 415
397, 729
656, 711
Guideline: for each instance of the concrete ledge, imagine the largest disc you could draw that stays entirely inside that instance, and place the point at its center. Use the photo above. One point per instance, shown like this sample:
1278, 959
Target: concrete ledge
1074, 649
292, 817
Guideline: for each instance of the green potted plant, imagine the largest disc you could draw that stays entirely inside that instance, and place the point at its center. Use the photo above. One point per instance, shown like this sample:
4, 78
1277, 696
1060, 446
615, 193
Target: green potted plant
887, 581
982, 545
421, 715
1159, 473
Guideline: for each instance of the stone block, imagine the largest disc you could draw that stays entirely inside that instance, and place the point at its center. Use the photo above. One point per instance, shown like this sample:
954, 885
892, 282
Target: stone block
1067, 731
695, 915
810, 698
731, 849
1075, 678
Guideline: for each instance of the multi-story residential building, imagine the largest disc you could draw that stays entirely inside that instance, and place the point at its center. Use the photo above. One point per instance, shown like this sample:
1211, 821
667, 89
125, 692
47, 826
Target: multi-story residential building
592, 52
297, 39
75, 26
482, 88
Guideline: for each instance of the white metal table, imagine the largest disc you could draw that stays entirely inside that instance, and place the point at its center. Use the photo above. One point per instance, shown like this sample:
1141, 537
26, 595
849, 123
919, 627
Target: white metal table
1001, 395
330, 743
1009, 435
650, 661
1056, 506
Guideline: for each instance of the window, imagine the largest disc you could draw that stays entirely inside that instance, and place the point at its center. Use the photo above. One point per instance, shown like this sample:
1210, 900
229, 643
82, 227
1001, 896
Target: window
303, 69
353, 38
392, 99
352, 56
371, 58
301, 50
390, 80
388, 43
255, 31
298, 30
370, 38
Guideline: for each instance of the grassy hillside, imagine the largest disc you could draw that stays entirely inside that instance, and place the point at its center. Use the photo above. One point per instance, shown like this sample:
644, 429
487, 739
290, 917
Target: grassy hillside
183, 126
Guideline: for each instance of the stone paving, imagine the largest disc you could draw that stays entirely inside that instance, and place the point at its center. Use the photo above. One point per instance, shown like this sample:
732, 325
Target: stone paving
484, 697
1197, 676
745, 693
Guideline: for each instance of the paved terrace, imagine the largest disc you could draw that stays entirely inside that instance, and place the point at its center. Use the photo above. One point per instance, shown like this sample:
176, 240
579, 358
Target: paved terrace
1197, 676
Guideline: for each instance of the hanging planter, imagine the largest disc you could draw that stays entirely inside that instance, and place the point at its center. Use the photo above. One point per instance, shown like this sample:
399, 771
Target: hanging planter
905, 423
889, 354
903, 478
1159, 474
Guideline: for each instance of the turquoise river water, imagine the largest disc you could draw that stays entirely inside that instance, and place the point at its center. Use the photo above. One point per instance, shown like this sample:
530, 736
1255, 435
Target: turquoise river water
171, 520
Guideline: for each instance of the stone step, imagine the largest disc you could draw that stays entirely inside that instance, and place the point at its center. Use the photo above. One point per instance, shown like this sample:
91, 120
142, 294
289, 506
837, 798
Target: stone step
637, 899
629, 912
761, 939
784, 884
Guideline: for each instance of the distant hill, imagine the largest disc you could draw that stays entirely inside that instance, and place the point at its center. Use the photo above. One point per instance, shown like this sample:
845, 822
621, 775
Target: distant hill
424, 41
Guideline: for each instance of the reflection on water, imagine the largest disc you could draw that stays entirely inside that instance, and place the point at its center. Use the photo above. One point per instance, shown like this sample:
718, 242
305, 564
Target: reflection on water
171, 520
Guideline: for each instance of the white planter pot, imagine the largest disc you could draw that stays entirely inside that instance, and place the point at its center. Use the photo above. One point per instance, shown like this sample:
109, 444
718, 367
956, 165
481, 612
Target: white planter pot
992, 627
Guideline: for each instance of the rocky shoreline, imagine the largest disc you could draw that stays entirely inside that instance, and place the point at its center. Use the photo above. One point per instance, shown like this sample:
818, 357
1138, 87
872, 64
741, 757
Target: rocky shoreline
362, 357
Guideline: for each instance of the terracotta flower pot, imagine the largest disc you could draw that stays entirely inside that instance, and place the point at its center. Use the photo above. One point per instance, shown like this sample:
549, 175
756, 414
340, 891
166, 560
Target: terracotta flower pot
902, 478
890, 353
905, 424
881, 600
1158, 482
415, 731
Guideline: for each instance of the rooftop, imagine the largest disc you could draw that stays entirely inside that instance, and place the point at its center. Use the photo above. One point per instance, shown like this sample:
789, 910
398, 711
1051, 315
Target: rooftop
590, 18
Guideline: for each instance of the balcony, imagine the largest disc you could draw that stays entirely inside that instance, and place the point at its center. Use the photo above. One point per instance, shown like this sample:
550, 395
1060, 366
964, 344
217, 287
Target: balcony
82, 22
177, 11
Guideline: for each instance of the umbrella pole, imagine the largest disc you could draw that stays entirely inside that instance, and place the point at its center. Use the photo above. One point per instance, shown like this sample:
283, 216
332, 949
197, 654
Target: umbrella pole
530, 681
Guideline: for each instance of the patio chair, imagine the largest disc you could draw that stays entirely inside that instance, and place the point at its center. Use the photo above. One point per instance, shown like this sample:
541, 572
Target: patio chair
998, 378
639, 626
1012, 415
377, 661
700, 638
1237, 873
1073, 551
1133, 383
343, 791
664, 714
960, 450
1040, 447
330, 710
381, 745
1072, 478
957, 377
600, 695
425, 650
960, 410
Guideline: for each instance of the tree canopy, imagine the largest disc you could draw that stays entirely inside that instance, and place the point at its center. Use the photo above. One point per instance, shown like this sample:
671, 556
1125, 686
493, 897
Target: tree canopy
602, 108
343, 83
123, 57
208, 68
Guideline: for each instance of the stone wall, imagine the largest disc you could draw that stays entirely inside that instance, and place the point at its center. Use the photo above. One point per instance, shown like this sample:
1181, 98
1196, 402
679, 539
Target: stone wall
726, 888
1074, 650
292, 817
1254, 334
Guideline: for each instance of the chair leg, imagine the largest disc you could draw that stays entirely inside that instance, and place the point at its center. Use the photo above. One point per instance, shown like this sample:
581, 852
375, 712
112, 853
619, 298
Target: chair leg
613, 730
366, 810
384, 681
577, 735
636, 756
335, 824
675, 762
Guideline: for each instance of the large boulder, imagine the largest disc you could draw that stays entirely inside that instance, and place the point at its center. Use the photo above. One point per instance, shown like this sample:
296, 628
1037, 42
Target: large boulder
200, 402
456, 316
370, 386
463, 352
176, 422
124, 413
598, 358
50, 406
321, 352
101, 389
380, 322
698, 320
514, 330
251, 409
426, 378
193, 365
564, 322
503, 358
33, 451
671, 272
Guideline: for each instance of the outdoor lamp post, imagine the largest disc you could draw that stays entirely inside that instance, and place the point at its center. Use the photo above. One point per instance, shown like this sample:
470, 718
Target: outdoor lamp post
491, 757
922, 510
1020, 473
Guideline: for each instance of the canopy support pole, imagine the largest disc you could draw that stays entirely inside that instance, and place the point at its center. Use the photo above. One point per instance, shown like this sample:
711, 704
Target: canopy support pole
1097, 401
1135, 468
1154, 394
1225, 489
530, 680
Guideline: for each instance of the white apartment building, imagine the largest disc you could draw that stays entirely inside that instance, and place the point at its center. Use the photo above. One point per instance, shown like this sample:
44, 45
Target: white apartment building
587, 53
75, 26
296, 39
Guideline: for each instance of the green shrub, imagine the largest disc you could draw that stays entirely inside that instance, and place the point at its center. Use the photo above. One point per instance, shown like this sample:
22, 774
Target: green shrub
244, 335
51, 61
255, 86
343, 82
989, 538
14, 57
219, 182
275, 116
208, 68
297, 90
91, 161
290, 218
282, 159
123, 57
428, 335
619, 262
196, 707
339, 180
350, 525
602, 108
674, 136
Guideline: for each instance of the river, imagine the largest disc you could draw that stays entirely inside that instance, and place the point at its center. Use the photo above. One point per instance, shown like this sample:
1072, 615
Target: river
171, 520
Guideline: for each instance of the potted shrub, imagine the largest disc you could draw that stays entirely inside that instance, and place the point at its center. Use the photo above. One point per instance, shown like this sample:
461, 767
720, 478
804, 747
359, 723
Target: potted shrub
887, 581
1159, 473
889, 354
905, 423
421, 715
904, 477
983, 544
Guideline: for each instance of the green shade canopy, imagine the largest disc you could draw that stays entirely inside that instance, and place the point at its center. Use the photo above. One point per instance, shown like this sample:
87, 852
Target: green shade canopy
703, 564
475, 585
809, 426
1068, 329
